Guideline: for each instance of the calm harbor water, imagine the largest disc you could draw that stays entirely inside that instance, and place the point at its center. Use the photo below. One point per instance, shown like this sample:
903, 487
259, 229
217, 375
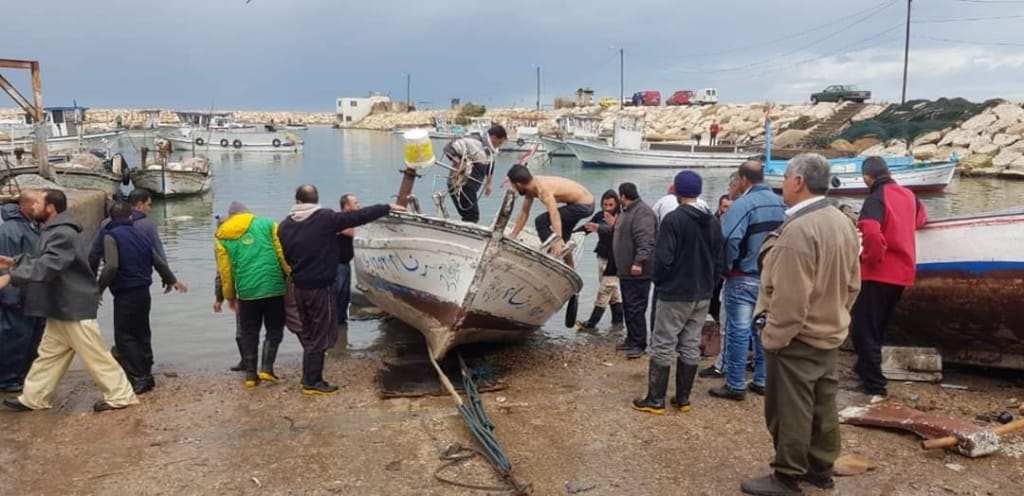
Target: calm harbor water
187, 333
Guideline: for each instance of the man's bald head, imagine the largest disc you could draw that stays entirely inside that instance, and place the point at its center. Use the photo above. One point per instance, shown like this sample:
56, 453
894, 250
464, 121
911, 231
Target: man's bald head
307, 193
752, 171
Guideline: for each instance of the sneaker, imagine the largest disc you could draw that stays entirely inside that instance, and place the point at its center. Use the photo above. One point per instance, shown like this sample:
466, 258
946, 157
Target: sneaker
711, 373
756, 389
320, 388
102, 406
14, 404
624, 346
728, 394
634, 353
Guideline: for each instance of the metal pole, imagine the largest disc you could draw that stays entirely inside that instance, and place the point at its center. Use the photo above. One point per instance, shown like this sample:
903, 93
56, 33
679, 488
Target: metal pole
538, 87
622, 77
408, 92
906, 56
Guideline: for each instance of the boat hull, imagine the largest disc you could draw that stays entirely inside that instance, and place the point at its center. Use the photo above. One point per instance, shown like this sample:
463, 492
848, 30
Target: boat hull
76, 178
930, 178
253, 142
556, 147
456, 283
172, 183
62, 144
966, 300
599, 155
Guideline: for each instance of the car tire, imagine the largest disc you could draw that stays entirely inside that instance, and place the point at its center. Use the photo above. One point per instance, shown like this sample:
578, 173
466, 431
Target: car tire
814, 101
840, 99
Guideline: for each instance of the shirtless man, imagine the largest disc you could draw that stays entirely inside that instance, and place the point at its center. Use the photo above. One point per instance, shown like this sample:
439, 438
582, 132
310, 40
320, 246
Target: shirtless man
579, 205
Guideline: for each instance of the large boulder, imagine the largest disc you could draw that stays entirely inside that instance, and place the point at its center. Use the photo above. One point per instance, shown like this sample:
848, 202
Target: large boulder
789, 137
958, 137
979, 122
865, 143
1018, 164
925, 152
1002, 140
1006, 157
924, 139
874, 150
1018, 146
1009, 112
983, 145
869, 112
1017, 129
843, 146
976, 161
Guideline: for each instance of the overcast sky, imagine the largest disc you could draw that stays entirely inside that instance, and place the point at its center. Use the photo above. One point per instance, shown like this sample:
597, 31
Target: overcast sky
302, 54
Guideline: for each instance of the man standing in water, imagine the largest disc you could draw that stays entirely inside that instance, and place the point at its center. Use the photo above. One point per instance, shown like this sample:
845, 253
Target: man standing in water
349, 203
551, 190
472, 166
309, 237
61, 287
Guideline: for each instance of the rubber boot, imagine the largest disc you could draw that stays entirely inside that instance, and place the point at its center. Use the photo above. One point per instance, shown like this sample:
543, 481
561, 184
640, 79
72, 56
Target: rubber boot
269, 356
685, 375
657, 386
313, 382
590, 325
241, 360
618, 316
252, 379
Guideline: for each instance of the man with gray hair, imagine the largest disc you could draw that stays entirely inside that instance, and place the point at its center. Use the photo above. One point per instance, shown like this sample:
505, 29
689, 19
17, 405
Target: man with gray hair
810, 277
887, 222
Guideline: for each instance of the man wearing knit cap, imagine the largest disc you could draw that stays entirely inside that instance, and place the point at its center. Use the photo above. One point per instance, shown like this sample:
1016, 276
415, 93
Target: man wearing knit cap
687, 262
252, 271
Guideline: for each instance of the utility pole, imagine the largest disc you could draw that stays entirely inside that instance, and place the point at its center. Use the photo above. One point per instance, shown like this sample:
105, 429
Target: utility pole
622, 77
538, 87
906, 56
408, 92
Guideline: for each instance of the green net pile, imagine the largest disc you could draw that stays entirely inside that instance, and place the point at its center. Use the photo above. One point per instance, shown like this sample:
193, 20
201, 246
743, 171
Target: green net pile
914, 118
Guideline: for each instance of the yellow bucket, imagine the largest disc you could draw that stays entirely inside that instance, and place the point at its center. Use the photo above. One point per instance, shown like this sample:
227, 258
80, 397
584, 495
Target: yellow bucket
419, 152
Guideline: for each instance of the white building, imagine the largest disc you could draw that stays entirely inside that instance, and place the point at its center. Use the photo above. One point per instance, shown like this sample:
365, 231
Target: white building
352, 110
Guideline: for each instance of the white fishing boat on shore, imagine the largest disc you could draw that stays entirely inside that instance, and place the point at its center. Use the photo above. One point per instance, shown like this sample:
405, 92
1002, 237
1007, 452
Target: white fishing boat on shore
64, 128
458, 282
627, 151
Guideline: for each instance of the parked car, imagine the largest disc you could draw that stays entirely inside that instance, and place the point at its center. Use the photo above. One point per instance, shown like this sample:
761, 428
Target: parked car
706, 96
841, 93
647, 98
608, 101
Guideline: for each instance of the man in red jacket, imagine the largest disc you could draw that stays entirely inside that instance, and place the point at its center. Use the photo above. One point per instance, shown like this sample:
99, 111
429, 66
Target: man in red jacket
888, 219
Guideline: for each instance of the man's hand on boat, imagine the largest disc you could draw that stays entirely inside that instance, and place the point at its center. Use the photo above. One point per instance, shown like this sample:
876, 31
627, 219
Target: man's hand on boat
488, 188
396, 207
557, 247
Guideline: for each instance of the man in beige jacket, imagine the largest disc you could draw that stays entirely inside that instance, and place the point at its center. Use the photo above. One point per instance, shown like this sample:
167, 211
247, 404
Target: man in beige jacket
810, 277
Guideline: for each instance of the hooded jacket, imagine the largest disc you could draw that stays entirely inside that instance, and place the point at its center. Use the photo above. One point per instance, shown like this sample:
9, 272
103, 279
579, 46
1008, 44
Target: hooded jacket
58, 282
250, 259
142, 223
309, 237
17, 236
688, 255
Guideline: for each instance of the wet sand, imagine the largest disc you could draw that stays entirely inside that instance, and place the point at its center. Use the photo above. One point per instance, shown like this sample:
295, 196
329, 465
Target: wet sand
569, 427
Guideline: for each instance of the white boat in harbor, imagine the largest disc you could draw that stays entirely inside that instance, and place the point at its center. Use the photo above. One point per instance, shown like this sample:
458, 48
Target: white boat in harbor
445, 130
527, 138
64, 128
627, 151
578, 127
966, 299
190, 177
210, 132
460, 283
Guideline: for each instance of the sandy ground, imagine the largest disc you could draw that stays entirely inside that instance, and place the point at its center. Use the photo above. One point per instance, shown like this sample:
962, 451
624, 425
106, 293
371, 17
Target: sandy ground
569, 429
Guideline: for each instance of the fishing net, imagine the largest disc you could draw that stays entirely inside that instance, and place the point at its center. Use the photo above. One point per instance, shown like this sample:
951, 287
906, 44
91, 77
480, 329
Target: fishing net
914, 118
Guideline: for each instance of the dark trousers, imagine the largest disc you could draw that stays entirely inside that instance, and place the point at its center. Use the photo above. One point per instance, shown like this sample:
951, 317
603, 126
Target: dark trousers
800, 409
19, 340
132, 334
635, 296
467, 200
870, 318
344, 284
319, 330
252, 316
714, 140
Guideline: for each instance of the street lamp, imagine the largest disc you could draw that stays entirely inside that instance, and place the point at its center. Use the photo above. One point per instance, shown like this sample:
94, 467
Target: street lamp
622, 78
408, 91
538, 85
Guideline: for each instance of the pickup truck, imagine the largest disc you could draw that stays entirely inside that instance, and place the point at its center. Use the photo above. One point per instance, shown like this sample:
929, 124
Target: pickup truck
841, 93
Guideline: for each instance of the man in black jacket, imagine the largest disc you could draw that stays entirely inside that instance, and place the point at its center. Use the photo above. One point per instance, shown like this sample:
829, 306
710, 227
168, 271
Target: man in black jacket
309, 238
687, 261
636, 230
60, 286
603, 223
19, 333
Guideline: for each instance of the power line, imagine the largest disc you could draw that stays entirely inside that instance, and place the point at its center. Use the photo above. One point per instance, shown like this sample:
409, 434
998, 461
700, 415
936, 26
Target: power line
967, 19
968, 42
992, 1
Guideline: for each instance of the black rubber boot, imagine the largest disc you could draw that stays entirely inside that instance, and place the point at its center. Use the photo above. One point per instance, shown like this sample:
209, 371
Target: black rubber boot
774, 484
657, 386
237, 367
618, 316
267, 367
313, 382
590, 325
685, 375
241, 357
252, 378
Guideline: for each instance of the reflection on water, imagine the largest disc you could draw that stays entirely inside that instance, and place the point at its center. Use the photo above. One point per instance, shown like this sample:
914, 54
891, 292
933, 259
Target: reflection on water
187, 332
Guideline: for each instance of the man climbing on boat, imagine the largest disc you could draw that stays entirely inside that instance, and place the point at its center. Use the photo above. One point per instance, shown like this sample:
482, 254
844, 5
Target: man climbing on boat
472, 166
551, 190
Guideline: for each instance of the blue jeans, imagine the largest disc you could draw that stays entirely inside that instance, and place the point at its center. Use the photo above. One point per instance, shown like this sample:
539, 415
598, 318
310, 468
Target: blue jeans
739, 295
343, 283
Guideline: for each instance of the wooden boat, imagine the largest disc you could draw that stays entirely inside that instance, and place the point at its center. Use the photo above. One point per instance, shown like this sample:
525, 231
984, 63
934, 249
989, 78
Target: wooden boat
460, 283
580, 127
190, 177
967, 298
847, 178
627, 151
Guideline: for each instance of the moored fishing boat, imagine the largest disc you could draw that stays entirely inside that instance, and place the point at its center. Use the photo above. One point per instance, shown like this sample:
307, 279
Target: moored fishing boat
847, 177
189, 177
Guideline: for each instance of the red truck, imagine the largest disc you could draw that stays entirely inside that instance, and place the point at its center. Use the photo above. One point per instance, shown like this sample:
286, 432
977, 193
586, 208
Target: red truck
649, 98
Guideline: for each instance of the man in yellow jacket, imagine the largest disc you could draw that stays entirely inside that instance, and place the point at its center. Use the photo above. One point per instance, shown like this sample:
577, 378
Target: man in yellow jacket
253, 276
810, 277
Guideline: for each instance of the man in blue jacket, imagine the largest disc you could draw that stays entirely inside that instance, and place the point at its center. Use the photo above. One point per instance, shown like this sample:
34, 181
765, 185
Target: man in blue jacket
756, 213
19, 333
